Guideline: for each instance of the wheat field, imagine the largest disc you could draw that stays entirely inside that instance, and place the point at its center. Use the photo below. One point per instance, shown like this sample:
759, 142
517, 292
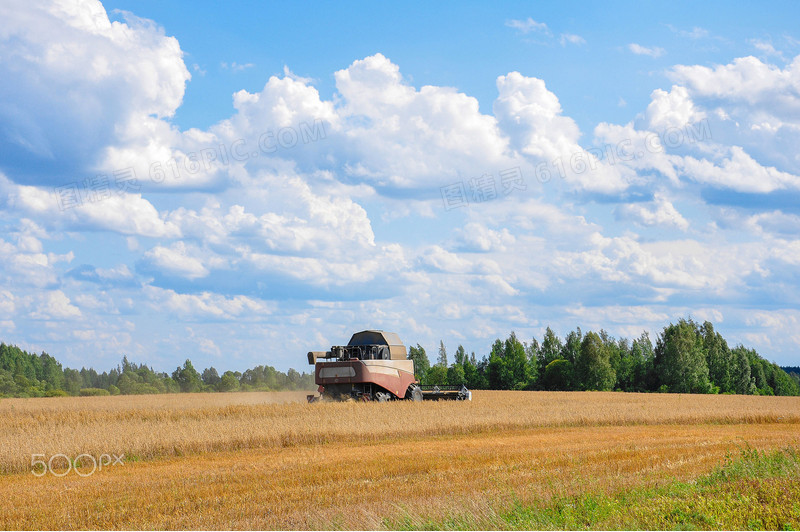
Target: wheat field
260, 460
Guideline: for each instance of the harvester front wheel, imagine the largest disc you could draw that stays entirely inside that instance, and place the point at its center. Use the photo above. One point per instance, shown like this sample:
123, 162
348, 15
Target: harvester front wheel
414, 393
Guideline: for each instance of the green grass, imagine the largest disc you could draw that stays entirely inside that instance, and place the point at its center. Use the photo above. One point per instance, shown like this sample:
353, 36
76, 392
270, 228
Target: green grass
751, 491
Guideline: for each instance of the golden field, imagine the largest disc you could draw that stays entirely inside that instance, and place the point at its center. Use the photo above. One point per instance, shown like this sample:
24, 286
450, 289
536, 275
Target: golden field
269, 460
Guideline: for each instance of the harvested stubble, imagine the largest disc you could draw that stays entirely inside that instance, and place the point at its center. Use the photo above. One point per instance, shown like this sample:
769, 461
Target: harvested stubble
146, 427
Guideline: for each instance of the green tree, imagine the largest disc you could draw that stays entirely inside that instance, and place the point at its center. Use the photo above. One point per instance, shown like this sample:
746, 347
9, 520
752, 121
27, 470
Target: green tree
549, 350
718, 357
8, 387
52, 374
497, 374
187, 377
72, 381
740, 371
558, 375
442, 359
532, 356
572, 346
757, 377
614, 350
643, 356
593, 369
456, 376
228, 382
210, 377
437, 375
461, 355
783, 383
472, 376
518, 370
421, 363
680, 359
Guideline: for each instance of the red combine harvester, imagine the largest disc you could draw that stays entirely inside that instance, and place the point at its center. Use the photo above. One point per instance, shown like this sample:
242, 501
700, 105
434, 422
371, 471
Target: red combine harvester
373, 366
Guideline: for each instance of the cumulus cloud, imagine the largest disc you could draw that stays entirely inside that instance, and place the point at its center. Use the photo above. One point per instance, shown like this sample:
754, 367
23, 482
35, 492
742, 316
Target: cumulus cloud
532, 117
746, 79
672, 109
381, 131
65, 208
52, 305
679, 264
208, 305
292, 218
659, 212
176, 259
95, 82
296, 197
407, 138
739, 172
477, 237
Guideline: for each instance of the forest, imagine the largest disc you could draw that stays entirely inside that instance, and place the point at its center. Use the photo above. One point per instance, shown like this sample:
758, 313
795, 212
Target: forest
25, 374
687, 357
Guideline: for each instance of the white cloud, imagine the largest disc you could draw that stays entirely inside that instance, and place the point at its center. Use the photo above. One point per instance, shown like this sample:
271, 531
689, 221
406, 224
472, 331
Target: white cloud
94, 82
406, 137
766, 48
746, 79
570, 38
293, 219
695, 33
740, 172
7, 303
209, 305
337, 216
52, 305
528, 25
176, 260
751, 104
659, 212
236, 67
532, 118
477, 237
128, 214
638, 49
672, 109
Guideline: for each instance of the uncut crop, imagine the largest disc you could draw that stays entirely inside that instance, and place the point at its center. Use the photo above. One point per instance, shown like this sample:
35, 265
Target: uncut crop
146, 427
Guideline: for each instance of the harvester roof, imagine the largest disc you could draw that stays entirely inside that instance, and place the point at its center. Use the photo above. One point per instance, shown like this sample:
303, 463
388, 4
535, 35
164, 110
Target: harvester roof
373, 337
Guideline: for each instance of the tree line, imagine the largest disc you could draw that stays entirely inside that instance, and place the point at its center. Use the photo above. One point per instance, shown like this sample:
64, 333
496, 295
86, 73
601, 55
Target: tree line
24, 374
688, 357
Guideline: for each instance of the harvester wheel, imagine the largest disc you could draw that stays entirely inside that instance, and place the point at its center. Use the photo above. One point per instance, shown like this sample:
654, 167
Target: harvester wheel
382, 397
414, 393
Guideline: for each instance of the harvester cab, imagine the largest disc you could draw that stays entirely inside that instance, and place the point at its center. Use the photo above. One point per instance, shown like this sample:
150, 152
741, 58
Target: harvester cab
373, 366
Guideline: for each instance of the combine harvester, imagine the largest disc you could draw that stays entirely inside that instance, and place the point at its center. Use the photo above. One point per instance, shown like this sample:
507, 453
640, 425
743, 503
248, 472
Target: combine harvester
373, 366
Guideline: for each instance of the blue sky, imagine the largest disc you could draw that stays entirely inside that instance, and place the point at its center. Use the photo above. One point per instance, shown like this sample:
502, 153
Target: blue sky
242, 183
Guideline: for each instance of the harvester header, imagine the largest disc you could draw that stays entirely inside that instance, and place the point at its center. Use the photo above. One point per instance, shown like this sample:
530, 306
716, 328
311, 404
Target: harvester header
373, 366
